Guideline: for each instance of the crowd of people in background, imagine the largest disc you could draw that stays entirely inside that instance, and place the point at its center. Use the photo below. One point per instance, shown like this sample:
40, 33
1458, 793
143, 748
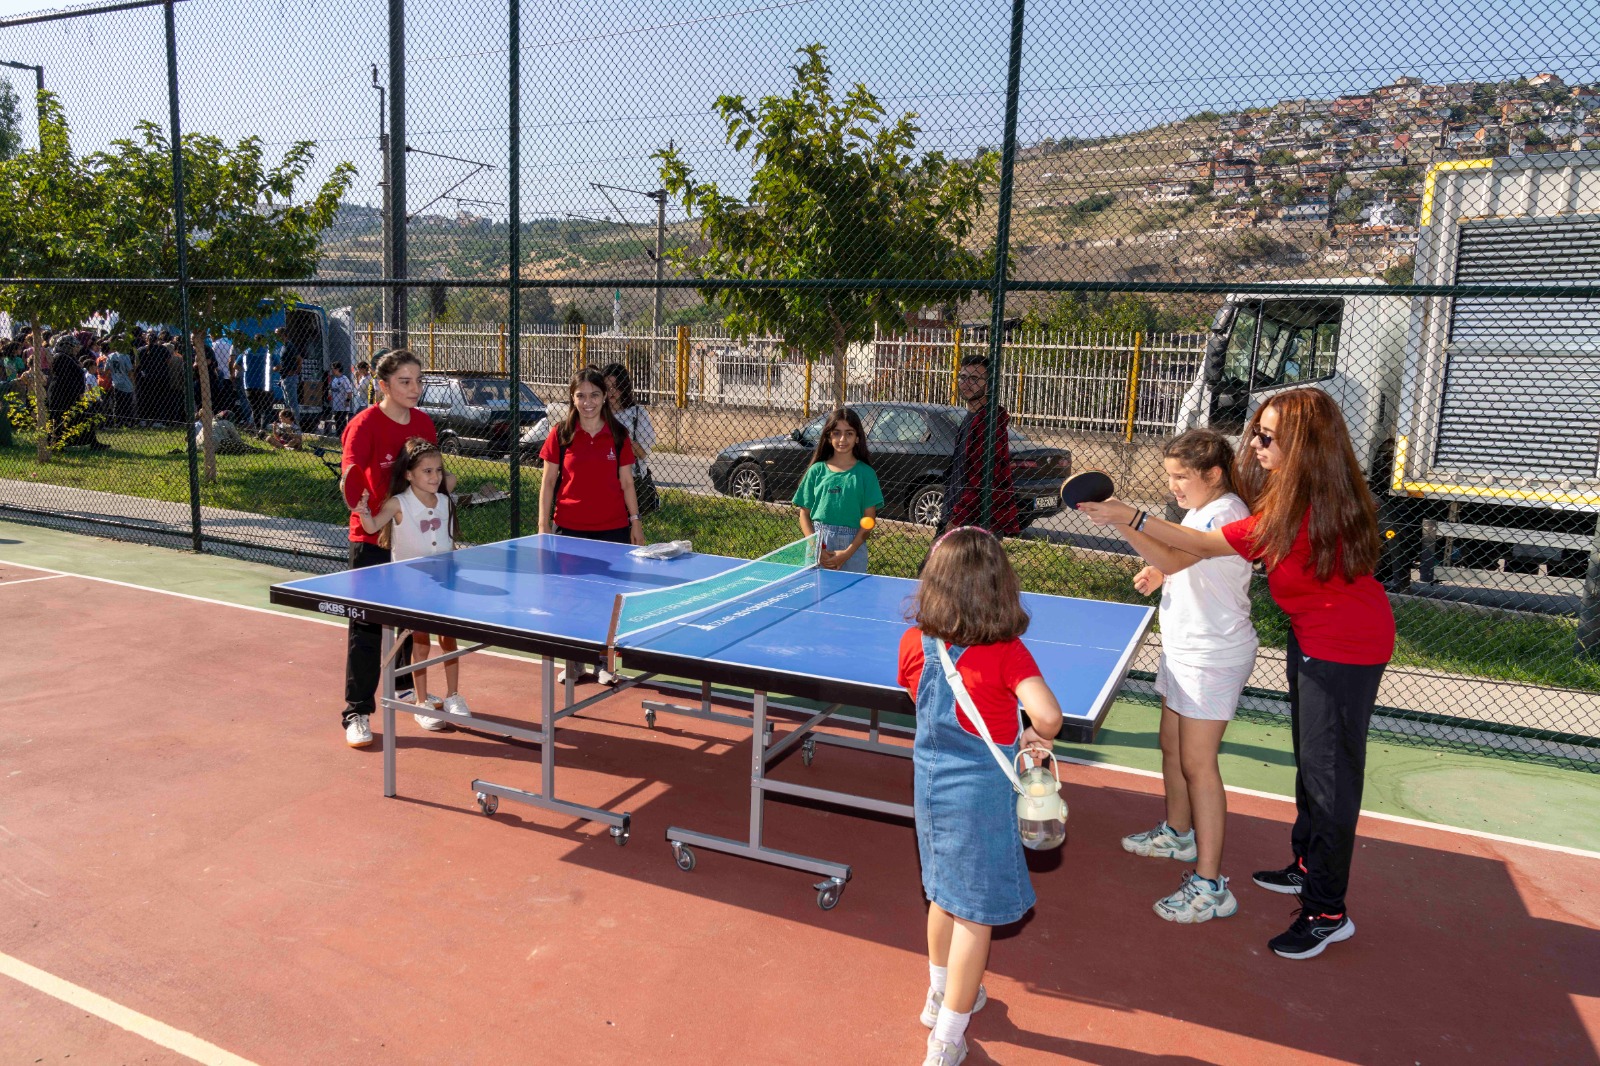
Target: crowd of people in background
137, 377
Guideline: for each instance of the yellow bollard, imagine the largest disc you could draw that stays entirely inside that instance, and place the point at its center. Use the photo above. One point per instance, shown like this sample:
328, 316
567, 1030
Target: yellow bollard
583, 348
502, 349
1133, 384
806, 409
430, 345
955, 369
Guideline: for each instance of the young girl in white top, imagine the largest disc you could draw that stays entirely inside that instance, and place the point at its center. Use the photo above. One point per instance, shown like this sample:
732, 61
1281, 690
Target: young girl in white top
421, 520
1208, 649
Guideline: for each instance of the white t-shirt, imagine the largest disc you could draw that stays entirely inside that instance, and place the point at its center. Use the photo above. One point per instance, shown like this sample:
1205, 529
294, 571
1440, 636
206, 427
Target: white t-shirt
640, 432
1205, 609
420, 530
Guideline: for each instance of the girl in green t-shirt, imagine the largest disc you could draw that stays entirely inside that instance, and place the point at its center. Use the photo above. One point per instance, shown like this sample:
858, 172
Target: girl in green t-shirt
839, 490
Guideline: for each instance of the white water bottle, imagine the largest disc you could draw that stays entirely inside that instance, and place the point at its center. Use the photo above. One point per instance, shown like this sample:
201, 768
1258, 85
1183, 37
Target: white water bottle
1041, 810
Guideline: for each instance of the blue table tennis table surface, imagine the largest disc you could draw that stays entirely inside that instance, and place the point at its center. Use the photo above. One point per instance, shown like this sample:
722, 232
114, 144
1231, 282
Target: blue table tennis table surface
820, 634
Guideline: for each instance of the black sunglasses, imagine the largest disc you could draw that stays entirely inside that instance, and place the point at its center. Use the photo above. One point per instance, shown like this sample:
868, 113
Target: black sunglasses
1266, 439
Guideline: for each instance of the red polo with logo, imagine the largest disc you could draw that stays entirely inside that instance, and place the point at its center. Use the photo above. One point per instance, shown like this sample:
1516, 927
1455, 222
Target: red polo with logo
589, 497
371, 442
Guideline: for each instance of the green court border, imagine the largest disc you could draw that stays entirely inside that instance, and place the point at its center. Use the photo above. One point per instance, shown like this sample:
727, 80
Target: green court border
1518, 798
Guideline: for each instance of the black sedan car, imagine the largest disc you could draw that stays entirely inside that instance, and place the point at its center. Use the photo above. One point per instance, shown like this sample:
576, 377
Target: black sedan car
911, 445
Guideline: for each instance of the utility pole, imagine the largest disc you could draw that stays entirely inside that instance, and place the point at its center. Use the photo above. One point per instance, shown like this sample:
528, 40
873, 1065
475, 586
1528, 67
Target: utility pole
658, 255
383, 183
398, 265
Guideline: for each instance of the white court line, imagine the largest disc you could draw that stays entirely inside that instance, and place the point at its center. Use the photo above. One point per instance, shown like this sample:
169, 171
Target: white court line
1396, 818
25, 580
186, 1044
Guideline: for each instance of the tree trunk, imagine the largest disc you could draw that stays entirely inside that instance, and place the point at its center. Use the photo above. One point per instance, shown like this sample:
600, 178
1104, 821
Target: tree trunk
208, 435
40, 412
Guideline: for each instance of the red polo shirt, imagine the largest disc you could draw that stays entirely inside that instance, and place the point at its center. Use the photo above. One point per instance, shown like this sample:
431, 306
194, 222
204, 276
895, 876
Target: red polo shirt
1341, 621
589, 496
371, 441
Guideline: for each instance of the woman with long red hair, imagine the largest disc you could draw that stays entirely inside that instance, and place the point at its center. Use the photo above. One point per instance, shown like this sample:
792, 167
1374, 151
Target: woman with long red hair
1313, 525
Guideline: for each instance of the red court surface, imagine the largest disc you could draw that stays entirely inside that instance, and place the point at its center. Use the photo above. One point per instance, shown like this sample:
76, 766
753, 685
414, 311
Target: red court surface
184, 832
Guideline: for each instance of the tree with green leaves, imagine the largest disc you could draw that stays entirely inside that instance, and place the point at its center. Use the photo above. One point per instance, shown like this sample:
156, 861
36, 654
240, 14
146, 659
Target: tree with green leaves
51, 226
836, 191
10, 121
243, 221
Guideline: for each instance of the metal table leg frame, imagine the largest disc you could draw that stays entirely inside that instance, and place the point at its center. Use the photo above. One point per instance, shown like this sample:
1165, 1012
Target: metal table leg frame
489, 794
684, 840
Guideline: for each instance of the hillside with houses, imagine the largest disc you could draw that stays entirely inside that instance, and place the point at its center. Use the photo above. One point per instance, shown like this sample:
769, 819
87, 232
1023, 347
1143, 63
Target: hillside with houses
1306, 186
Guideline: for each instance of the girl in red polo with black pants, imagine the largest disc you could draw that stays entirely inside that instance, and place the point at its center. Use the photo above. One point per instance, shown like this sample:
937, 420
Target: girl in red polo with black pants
1314, 525
370, 443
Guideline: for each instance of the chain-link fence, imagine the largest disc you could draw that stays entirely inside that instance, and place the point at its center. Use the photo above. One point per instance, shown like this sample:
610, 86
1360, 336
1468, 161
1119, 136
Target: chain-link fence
1146, 221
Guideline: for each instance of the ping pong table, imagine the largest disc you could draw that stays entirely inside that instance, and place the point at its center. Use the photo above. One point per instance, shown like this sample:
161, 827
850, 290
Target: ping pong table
777, 625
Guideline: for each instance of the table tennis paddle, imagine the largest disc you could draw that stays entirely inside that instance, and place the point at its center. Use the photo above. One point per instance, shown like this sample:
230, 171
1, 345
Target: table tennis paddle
1091, 486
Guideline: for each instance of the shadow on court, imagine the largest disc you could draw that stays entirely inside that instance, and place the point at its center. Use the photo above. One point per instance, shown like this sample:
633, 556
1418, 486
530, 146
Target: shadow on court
183, 832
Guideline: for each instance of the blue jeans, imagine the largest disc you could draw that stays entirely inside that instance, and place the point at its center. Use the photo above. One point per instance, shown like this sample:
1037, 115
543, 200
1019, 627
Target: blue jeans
838, 538
291, 395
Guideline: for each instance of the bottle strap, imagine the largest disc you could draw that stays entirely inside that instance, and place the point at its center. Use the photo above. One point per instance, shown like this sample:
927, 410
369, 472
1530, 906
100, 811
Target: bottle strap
964, 698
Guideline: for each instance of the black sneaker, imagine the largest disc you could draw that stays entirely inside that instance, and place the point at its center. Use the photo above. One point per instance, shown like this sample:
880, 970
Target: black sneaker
1310, 933
1290, 880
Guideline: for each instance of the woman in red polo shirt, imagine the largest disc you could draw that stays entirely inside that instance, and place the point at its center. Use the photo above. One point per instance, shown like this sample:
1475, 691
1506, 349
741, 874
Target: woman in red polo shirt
370, 443
1314, 526
587, 489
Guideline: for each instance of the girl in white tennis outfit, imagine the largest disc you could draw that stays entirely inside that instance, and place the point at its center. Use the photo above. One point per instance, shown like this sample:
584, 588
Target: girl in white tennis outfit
421, 520
1208, 649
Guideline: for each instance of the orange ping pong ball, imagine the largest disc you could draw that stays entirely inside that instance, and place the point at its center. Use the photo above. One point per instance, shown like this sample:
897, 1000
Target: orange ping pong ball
868, 522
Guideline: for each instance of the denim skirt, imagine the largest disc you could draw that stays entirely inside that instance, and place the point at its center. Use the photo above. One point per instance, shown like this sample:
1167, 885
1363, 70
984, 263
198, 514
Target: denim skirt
966, 810
837, 539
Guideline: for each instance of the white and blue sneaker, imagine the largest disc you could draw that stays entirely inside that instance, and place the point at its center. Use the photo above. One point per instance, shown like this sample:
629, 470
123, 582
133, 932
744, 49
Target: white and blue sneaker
1198, 900
1162, 842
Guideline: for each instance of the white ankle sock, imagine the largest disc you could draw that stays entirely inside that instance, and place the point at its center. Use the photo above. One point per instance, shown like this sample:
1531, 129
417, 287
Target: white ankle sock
938, 977
951, 1026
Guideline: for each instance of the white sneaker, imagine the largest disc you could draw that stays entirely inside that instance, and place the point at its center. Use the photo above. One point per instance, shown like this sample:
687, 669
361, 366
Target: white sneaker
585, 673
1196, 901
357, 733
943, 1054
930, 1009
1162, 842
606, 677
454, 704
432, 725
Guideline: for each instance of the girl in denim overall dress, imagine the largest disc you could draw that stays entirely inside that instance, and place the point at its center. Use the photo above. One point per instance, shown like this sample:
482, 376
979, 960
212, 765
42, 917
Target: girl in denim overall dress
973, 872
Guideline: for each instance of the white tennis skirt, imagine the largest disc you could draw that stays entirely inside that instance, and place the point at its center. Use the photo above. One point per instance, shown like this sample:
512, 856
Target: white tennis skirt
1209, 692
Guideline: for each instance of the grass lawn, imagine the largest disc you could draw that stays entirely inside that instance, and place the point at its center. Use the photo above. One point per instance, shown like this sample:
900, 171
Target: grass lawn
151, 463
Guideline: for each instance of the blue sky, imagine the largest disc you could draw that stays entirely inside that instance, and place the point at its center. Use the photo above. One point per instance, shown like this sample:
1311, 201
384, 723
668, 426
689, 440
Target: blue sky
605, 84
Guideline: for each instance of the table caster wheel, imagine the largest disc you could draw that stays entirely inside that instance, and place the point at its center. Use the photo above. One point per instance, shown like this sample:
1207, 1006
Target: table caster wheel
683, 856
489, 804
828, 893
649, 719
619, 835
808, 750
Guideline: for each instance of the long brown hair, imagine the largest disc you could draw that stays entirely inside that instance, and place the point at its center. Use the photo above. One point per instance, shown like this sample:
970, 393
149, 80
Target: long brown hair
969, 594
569, 425
1317, 473
824, 450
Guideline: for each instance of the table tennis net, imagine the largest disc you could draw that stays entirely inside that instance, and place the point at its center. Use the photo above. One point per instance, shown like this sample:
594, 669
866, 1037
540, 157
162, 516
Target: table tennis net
636, 612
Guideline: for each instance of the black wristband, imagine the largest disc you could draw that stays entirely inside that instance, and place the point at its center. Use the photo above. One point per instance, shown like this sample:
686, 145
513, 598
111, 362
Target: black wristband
1144, 516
